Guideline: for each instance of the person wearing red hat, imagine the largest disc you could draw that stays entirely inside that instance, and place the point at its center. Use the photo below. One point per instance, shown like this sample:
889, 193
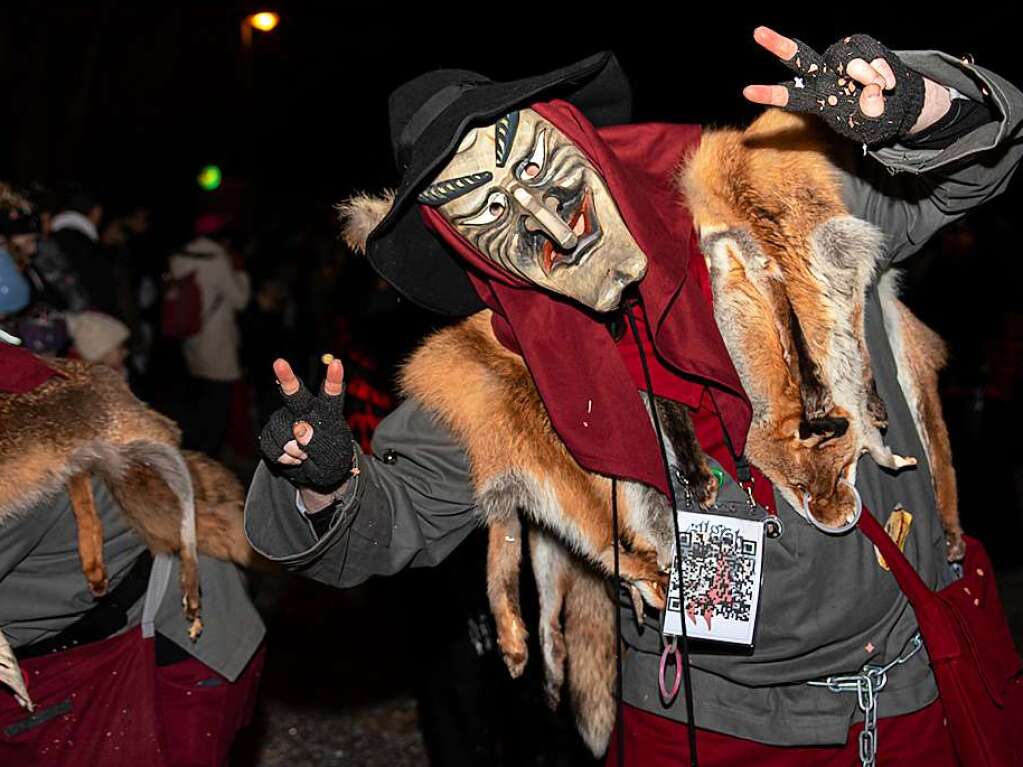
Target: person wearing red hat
607, 386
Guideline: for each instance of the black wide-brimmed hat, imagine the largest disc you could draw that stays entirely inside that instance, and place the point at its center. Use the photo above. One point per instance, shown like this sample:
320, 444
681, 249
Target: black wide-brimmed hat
429, 116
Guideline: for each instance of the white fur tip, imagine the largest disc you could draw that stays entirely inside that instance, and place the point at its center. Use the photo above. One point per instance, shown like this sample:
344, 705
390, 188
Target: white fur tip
360, 215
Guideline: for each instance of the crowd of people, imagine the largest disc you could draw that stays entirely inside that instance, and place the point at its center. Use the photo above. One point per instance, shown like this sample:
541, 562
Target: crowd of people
183, 319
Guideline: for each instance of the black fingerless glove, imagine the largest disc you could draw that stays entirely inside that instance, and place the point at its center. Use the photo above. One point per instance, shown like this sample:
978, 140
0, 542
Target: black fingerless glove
331, 451
822, 87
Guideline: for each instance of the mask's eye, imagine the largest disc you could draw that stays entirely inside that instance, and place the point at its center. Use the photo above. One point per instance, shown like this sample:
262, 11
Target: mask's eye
533, 165
494, 208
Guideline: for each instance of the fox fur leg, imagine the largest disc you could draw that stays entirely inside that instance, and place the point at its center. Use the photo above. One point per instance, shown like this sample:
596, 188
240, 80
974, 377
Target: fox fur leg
169, 464
551, 570
920, 354
590, 644
504, 556
90, 532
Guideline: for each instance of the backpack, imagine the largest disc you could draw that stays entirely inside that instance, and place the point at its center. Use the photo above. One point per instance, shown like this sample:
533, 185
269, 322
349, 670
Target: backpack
181, 308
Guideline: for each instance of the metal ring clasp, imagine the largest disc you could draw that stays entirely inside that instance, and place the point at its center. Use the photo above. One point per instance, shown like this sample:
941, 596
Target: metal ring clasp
805, 510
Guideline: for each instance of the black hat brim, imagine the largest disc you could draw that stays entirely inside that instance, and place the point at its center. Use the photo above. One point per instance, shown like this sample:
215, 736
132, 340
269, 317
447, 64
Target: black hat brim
414, 260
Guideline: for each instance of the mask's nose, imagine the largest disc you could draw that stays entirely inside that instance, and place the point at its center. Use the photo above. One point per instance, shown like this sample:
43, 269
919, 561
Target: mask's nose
550, 222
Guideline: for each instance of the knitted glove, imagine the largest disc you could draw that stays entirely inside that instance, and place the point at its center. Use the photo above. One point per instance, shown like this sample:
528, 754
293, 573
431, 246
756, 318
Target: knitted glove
822, 87
331, 450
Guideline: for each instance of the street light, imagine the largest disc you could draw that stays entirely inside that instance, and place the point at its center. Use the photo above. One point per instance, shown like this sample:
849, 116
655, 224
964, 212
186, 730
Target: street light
264, 21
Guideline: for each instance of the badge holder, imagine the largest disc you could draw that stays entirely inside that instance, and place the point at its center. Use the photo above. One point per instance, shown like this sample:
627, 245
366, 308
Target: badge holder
722, 556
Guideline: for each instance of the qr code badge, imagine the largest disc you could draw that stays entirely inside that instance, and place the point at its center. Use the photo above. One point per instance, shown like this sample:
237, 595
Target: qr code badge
722, 559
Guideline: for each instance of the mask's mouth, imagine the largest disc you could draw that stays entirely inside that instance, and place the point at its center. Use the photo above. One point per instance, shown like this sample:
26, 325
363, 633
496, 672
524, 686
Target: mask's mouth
582, 220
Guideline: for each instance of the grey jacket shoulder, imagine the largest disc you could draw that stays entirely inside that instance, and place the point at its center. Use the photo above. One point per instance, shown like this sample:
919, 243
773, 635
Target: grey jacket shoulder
911, 193
43, 590
410, 504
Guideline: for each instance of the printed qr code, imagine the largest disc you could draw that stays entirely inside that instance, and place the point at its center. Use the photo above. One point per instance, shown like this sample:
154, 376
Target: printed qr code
719, 568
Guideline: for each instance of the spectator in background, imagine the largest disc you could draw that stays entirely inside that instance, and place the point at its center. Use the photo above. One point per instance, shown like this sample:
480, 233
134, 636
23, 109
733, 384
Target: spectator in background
17, 245
75, 231
14, 293
136, 273
212, 354
266, 328
56, 283
98, 337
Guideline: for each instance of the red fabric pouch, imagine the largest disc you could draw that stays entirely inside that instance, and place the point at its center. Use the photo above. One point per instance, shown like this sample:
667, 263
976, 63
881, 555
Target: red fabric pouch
94, 705
107, 703
971, 651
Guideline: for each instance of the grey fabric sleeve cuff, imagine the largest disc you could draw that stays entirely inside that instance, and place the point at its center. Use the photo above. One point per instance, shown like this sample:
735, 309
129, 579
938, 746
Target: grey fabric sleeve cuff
324, 520
277, 529
970, 81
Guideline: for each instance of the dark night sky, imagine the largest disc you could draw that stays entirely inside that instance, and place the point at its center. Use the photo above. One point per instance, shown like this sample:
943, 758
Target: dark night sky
135, 98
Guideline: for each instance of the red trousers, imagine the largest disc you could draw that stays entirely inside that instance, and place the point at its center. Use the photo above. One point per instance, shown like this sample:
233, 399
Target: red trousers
107, 703
914, 740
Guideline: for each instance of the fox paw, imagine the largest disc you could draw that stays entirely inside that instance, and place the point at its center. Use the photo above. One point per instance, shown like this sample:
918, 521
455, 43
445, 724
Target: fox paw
511, 638
955, 545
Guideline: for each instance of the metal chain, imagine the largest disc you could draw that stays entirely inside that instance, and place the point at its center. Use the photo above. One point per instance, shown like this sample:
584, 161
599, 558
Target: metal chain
867, 684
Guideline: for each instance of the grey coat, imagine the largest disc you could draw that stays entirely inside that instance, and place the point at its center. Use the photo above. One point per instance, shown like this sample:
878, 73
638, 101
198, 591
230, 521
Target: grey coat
43, 590
412, 503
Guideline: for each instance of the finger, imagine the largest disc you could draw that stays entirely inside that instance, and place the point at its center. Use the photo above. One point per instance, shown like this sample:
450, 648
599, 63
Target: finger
286, 377
782, 47
864, 74
872, 101
287, 460
771, 95
334, 382
886, 71
795, 54
292, 448
303, 432
296, 397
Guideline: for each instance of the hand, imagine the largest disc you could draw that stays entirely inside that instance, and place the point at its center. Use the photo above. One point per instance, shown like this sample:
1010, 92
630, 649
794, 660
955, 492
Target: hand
858, 87
308, 440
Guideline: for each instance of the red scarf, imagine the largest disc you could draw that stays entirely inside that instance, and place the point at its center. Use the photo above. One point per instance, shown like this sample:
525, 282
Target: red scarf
587, 383
21, 371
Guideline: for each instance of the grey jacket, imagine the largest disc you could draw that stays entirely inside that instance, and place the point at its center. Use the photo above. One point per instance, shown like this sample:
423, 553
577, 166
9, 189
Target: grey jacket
43, 590
412, 503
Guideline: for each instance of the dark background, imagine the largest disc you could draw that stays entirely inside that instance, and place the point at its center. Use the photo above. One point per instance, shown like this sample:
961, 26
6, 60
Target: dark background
134, 98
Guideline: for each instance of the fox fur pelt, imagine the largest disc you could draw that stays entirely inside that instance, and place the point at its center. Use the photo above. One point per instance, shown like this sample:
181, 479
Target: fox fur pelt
789, 269
86, 421
521, 472
768, 208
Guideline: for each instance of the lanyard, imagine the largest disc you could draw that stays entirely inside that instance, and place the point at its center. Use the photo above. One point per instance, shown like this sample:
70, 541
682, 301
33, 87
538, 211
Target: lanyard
773, 527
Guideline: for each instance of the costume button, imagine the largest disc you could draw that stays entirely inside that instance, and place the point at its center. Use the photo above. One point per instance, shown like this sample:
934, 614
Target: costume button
389, 457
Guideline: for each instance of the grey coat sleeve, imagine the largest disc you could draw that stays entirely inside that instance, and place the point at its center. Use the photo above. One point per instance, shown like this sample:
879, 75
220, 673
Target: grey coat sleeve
411, 505
911, 193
